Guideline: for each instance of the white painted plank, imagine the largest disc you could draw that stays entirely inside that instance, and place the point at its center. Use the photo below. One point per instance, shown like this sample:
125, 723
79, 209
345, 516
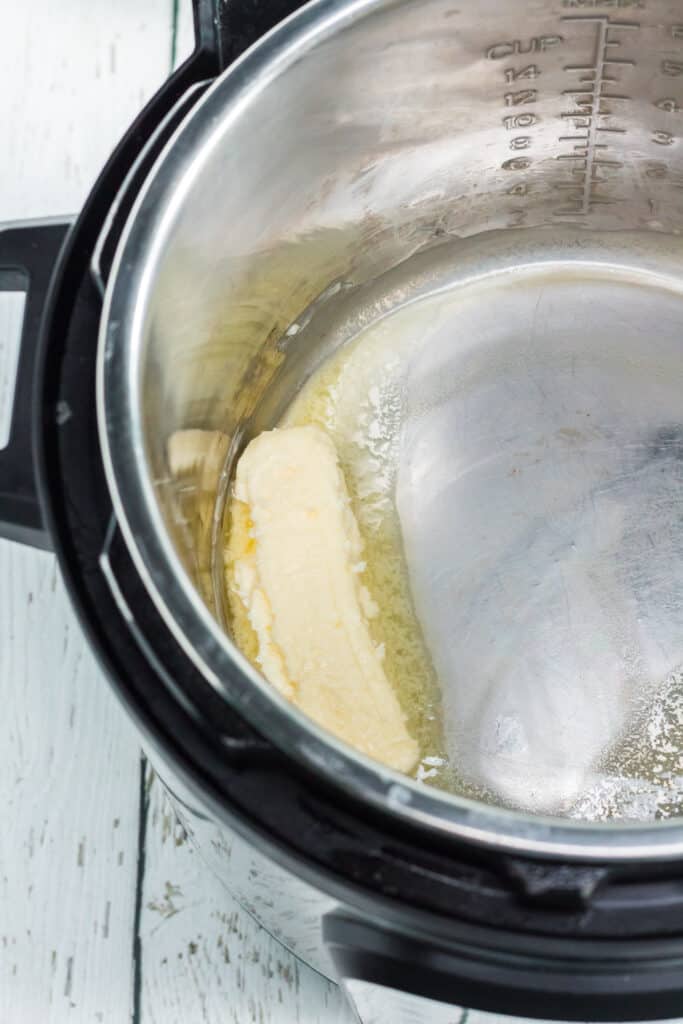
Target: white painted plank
72, 76
203, 957
68, 788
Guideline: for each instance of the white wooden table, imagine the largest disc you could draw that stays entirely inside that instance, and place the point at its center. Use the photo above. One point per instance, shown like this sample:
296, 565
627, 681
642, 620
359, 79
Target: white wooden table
105, 912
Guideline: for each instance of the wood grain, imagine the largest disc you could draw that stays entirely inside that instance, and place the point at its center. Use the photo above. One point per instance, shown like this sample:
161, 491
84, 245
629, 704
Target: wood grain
73, 76
68, 792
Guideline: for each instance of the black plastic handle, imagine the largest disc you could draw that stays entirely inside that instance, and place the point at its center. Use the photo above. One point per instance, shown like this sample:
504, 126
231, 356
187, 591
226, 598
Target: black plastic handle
28, 255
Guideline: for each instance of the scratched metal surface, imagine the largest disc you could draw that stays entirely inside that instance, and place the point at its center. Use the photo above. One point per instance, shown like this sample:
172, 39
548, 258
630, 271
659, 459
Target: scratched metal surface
90, 930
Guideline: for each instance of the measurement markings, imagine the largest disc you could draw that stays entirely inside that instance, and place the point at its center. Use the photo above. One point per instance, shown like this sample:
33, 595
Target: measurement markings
590, 106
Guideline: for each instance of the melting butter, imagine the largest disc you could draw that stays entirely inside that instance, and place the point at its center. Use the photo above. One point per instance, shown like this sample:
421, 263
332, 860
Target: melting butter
300, 609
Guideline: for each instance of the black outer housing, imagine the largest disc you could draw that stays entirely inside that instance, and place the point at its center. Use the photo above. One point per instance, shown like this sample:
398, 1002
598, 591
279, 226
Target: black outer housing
427, 915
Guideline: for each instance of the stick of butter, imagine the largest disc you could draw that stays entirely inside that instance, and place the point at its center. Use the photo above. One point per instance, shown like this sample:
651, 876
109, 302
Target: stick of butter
294, 565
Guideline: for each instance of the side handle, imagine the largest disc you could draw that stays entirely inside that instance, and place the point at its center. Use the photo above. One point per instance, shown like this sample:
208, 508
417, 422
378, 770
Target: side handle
28, 255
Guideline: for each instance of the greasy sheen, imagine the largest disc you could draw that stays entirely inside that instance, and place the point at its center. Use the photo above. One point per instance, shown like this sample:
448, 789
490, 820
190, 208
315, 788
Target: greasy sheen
294, 565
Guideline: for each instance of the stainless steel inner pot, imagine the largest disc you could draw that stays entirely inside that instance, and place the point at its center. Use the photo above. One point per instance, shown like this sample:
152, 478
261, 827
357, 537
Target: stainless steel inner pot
541, 136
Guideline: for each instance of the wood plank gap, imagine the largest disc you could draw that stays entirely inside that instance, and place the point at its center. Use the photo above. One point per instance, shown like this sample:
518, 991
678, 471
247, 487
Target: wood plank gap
143, 814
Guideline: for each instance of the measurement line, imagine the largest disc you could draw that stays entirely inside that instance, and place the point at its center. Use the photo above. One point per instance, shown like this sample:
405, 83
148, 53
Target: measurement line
600, 18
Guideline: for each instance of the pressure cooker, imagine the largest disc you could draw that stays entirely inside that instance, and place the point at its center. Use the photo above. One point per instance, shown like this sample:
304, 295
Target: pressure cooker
296, 159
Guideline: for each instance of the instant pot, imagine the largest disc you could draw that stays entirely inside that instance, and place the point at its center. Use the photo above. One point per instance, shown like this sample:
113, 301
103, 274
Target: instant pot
279, 170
